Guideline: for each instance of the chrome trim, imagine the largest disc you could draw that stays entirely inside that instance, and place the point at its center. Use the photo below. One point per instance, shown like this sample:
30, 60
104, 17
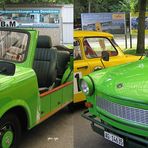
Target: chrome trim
139, 116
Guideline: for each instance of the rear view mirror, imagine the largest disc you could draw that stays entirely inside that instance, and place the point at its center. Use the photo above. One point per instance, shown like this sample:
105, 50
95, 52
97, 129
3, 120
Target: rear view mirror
7, 68
105, 56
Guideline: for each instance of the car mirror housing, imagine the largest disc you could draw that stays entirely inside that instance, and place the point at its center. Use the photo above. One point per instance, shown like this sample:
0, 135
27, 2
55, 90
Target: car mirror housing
105, 56
7, 68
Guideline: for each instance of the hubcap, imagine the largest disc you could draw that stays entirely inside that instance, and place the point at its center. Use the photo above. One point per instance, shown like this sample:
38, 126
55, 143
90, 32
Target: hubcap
6, 138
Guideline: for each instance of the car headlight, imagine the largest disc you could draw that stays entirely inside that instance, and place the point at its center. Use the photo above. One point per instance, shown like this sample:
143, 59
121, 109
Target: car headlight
87, 86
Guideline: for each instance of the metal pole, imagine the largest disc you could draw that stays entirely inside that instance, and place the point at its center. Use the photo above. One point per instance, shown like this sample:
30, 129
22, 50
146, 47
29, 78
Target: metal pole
125, 32
130, 32
89, 6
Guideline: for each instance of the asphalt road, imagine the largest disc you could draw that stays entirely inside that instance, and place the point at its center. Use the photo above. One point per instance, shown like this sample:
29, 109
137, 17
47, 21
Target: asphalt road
84, 137
65, 130
55, 132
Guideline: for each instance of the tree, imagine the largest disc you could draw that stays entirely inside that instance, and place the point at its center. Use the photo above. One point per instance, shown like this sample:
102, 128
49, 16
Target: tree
81, 6
38, 1
141, 27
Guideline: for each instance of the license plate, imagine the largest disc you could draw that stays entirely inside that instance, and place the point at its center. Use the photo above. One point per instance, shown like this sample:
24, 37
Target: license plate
114, 138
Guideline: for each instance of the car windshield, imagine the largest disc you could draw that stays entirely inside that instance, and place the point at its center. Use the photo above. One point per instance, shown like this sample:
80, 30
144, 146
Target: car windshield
93, 47
13, 46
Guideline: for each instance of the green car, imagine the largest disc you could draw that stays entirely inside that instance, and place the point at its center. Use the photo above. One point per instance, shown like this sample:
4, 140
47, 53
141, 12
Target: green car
35, 82
117, 101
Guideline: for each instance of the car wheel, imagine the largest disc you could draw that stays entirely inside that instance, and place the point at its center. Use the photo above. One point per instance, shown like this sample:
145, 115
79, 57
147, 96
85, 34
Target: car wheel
10, 131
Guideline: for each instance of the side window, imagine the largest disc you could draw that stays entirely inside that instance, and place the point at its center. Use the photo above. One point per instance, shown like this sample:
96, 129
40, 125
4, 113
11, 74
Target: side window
77, 50
94, 46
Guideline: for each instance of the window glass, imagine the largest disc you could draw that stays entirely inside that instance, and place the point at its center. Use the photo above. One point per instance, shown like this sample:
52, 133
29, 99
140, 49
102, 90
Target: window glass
94, 46
77, 50
13, 45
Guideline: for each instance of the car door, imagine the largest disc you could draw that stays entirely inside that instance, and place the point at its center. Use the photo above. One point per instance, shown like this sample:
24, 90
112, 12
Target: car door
81, 68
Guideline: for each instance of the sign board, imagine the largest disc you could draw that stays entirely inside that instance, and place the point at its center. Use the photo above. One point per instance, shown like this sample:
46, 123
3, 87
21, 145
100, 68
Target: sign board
110, 22
134, 22
46, 18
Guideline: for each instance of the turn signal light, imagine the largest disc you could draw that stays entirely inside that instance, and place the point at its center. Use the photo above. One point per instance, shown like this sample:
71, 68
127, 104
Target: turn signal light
88, 104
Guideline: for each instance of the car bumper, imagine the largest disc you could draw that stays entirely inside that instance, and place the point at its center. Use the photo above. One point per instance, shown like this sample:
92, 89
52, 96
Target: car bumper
130, 139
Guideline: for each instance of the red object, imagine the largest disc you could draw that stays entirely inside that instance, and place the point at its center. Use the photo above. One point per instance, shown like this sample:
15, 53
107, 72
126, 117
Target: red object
88, 104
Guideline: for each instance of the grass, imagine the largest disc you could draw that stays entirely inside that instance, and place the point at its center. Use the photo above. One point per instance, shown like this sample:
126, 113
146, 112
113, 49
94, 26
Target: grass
133, 51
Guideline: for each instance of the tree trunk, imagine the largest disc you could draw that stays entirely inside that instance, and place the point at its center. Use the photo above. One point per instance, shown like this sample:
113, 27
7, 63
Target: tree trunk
141, 27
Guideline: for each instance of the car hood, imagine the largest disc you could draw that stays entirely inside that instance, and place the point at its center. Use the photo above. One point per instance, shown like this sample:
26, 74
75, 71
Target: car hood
128, 81
20, 74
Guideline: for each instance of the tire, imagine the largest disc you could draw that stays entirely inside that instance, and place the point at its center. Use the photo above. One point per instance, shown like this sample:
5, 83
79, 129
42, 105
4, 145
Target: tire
10, 131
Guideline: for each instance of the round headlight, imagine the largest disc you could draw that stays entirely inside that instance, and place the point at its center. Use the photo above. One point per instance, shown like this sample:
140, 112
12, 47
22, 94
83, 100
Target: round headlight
84, 87
87, 86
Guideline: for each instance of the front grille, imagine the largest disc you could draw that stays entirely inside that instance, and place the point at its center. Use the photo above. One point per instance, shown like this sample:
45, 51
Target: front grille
139, 116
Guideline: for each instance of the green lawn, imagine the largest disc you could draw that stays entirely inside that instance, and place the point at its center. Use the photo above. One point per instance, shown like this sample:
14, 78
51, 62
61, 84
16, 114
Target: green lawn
132, 51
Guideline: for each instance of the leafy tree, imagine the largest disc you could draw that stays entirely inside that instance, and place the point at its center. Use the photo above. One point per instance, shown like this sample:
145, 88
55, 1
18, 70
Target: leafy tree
38, 1
81, 6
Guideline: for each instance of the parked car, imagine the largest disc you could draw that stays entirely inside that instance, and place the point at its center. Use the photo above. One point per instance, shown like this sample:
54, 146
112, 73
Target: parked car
88, 49
35, 79
118, 104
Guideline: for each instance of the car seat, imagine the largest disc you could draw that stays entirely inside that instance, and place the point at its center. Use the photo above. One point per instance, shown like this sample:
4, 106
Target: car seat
45, 62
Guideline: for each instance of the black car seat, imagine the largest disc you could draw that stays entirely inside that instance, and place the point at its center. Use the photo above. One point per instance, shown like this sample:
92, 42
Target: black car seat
62, 61
45, 62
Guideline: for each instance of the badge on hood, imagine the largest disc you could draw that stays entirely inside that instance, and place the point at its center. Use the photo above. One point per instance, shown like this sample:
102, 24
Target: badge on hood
120, 85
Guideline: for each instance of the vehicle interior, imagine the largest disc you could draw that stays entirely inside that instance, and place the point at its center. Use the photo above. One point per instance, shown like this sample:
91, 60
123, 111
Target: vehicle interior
94, 46
13, 45
50, 64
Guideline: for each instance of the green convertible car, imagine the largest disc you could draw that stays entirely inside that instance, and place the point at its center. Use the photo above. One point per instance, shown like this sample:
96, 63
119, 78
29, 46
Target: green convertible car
117, 101
35, 82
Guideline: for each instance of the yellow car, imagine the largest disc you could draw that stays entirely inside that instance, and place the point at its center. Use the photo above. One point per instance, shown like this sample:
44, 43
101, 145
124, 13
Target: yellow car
90, 54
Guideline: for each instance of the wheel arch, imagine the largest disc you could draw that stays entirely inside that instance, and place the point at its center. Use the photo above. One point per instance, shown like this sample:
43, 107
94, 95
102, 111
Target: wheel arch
21, 110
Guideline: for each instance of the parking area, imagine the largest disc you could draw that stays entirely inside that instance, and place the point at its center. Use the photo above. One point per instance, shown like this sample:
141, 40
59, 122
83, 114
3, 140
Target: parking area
65, 130
84, 137
55, 132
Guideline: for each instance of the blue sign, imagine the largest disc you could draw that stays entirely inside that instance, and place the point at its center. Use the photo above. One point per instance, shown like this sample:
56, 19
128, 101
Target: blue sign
39, 18
110, 22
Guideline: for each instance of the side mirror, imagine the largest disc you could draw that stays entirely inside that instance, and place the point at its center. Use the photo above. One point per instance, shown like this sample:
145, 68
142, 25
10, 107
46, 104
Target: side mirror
105, 56
7, 68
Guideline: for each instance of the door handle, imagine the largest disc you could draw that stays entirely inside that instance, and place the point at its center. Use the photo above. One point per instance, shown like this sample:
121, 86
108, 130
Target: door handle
85, 67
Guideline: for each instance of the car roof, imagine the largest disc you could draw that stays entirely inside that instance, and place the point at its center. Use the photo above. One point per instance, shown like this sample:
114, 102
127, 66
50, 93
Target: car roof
80, 33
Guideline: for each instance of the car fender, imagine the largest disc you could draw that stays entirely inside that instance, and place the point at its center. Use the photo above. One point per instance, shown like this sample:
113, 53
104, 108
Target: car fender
18, 103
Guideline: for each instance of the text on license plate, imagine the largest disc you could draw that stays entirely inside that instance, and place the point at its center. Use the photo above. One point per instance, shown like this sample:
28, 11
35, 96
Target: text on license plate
114, 138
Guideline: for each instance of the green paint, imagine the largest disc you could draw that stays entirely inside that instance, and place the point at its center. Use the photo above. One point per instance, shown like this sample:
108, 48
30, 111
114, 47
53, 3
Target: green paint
125, 85
7, 139
21, 89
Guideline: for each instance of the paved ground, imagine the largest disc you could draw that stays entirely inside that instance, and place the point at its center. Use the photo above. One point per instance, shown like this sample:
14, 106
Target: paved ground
84, 137
56, 132
65, 130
